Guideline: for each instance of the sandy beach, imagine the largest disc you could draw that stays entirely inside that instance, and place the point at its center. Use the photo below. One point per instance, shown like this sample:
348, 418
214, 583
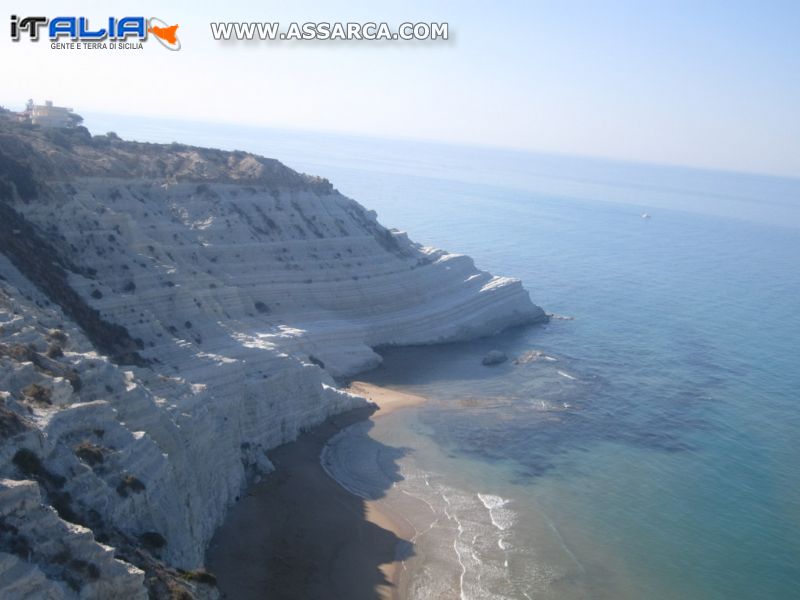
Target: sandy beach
387, 401
299, 534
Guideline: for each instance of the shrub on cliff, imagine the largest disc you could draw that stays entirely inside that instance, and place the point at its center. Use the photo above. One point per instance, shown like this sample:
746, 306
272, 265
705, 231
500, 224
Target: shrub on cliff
67, 137
199, 576
55, 350
37, 393
128, 484
89, 453
57, 336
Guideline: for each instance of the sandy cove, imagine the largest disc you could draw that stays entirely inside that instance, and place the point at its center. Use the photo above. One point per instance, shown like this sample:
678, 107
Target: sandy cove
299, 534
388, 401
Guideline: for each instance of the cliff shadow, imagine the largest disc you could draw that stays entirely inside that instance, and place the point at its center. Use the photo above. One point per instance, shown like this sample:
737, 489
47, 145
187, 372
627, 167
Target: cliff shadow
299, 534
452, 361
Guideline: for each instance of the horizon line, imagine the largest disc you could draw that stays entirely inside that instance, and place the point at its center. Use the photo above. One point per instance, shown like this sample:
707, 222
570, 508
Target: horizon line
454, 143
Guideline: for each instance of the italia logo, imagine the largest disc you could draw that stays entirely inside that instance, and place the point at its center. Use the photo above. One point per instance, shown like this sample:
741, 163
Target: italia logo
112, 30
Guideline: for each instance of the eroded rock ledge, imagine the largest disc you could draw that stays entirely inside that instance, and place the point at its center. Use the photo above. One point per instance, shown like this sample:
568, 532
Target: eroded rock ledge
167, 315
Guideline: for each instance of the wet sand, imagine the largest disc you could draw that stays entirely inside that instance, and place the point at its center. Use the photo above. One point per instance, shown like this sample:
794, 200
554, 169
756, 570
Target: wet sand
299, 534
388, 400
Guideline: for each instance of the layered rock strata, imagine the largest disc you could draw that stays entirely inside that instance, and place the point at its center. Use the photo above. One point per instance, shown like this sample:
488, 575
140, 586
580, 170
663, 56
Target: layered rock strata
167, 315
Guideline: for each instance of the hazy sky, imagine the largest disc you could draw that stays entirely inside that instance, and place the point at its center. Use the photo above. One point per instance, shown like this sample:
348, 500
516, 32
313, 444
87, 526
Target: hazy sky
672, 82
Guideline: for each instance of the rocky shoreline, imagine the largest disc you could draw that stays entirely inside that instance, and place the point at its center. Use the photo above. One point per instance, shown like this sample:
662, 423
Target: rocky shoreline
168, 314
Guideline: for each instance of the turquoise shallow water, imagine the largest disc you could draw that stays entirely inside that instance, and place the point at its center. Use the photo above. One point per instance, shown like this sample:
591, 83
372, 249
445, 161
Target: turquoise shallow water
658, 454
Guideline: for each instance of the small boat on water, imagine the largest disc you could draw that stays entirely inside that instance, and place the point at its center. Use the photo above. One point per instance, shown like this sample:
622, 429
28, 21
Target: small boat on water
645, 216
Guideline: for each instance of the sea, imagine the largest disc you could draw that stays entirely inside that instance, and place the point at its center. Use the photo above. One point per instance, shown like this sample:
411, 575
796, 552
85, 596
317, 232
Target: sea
642, 444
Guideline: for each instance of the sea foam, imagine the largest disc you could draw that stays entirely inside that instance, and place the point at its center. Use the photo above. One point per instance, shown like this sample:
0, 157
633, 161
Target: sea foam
501, 517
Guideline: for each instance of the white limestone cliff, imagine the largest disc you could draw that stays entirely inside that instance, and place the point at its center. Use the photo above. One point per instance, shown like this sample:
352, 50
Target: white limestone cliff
167, 315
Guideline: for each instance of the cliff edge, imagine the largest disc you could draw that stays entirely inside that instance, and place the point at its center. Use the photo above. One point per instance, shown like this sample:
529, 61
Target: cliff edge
167, 315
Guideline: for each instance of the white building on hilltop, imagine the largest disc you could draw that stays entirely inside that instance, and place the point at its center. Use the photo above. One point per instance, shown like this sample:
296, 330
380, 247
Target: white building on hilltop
48, 115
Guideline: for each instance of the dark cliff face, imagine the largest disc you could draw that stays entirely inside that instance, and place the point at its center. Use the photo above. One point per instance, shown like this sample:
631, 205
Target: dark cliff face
16, 175
36, 258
